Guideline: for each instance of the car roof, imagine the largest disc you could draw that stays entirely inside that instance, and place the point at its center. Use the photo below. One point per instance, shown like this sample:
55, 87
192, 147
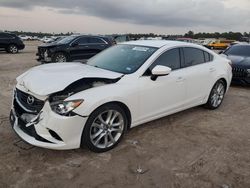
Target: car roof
80, 35
160, 43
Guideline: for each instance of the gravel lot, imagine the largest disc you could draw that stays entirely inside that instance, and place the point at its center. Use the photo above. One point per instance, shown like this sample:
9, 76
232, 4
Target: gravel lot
195, 148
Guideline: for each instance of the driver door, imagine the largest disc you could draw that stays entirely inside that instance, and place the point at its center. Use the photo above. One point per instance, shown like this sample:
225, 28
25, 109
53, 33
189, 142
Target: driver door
167, 93
79, 49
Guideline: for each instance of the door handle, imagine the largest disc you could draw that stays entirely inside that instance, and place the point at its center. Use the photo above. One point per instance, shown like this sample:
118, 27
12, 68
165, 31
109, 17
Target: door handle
211, 69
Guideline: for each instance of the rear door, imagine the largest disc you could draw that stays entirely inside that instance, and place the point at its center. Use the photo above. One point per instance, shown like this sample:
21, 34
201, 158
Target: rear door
199, 69
4, 40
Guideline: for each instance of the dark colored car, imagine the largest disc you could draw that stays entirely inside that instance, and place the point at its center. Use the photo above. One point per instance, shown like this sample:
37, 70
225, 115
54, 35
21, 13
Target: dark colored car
239, 54
71, 48
10, 43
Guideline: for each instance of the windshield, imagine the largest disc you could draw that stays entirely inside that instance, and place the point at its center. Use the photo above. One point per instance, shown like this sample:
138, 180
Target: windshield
122, 58
66, 40
240, 50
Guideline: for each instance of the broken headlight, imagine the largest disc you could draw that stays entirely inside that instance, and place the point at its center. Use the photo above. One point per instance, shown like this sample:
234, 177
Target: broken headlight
65, 107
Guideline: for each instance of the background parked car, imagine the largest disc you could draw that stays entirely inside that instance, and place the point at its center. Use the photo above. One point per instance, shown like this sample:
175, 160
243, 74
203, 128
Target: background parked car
25, 37
189, 40
220, 44
47, 39
74, 47
10, 42
239, 54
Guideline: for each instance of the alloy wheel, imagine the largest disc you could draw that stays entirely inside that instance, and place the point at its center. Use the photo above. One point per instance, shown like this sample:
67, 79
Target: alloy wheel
106, 129
61, 58
218, 94
13, 49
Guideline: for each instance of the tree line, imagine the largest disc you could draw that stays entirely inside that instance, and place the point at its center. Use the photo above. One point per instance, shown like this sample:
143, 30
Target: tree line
226, 35
190, 34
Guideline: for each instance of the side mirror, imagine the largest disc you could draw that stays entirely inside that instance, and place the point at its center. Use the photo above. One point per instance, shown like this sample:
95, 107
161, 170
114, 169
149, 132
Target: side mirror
160, 70
74, 44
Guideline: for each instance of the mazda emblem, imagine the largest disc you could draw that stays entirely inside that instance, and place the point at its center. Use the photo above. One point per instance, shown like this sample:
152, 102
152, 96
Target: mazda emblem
30, 100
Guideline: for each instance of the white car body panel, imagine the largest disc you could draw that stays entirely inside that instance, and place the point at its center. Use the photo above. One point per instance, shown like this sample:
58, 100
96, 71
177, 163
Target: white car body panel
146, 99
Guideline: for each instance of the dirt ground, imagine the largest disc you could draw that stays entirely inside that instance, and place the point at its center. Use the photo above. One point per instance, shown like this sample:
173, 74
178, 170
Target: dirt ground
195, 148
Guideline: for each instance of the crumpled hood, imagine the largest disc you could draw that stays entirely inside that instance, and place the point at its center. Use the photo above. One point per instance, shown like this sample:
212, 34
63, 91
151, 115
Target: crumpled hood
50, 78
240, 61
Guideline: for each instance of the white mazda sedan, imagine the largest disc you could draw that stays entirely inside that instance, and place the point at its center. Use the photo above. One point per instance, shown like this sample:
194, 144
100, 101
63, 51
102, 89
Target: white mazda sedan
70, 105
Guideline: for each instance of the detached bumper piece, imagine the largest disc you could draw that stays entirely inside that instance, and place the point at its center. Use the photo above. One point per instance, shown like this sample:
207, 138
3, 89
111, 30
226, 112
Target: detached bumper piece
31, 131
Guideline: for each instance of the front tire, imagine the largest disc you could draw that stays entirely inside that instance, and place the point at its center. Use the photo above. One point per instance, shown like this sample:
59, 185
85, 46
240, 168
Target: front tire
12, 49
60, 57
216, 95
105, 128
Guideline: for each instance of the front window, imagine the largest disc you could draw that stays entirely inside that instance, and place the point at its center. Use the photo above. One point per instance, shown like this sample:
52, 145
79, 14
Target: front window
82, 40
124, 59
66, 40
171, 59
93, 40
238, 51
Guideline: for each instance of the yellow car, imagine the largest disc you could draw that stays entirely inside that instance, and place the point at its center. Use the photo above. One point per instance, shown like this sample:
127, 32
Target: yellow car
220, 44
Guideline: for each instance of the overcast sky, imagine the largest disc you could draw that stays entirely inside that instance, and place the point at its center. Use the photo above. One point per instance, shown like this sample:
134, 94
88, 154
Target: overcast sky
125, 16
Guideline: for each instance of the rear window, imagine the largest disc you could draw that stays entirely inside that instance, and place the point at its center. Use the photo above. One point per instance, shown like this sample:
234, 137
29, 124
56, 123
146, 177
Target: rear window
193, 56
208, 57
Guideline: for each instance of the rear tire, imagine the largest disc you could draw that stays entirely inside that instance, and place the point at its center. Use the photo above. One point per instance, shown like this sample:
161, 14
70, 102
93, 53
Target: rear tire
60, 57
216, 95
12, 49
104, 128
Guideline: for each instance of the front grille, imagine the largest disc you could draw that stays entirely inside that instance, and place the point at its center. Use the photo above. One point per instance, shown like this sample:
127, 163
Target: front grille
22, 98
239, 72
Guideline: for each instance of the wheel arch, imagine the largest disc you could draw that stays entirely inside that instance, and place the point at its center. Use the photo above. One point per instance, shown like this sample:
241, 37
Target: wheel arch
55, 52
12, 43
225, 81
123, 106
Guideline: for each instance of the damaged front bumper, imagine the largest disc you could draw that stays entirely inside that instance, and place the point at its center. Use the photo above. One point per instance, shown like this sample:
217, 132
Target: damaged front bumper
47, 129
43, 56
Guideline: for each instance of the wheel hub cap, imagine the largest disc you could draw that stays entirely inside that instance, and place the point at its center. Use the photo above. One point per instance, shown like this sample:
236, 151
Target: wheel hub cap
218, 95
106, 129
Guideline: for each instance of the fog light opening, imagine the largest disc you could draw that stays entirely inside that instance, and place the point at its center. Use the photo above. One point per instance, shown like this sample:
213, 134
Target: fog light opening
55, 135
